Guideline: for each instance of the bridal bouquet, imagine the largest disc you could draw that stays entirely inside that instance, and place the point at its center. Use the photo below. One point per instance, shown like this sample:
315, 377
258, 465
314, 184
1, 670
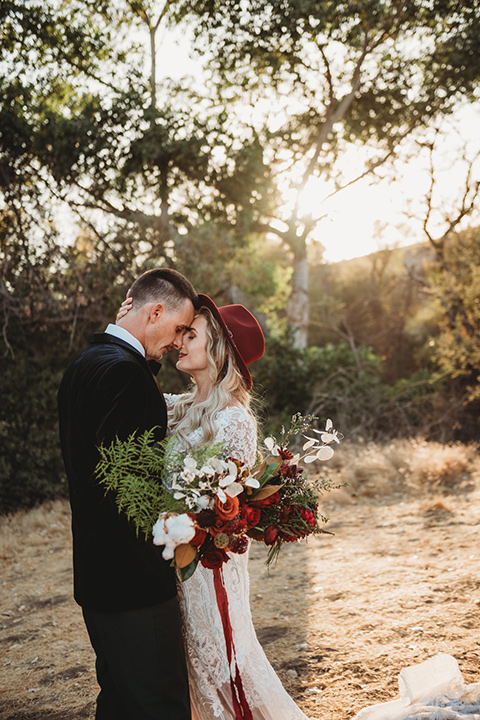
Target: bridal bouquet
206, 504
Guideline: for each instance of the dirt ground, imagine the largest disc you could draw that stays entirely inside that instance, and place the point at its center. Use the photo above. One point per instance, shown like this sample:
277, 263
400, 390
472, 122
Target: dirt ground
338, 616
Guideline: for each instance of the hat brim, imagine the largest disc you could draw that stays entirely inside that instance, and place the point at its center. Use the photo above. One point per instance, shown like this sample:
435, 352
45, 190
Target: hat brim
207, 302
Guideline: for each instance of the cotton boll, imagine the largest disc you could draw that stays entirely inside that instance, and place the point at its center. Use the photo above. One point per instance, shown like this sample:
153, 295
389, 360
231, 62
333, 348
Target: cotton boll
159, 531
180, 528
168, 552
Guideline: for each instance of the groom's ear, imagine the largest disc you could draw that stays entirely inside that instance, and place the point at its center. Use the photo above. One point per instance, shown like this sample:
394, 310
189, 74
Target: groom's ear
156, 312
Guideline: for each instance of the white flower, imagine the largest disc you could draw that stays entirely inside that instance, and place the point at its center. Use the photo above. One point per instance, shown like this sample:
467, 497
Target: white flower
181, 528
217, 465
271, 445
190, 469
231, 477
329, 434
221, 495
159, 531
204, 502
234, 489
325, 453
190, 464
252, 482
207, 470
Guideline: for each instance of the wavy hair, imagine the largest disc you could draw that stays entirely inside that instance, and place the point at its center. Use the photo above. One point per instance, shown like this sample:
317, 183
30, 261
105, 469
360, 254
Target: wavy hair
227, 385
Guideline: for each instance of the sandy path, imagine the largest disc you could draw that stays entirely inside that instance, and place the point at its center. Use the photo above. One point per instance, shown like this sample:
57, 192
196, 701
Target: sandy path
338, 616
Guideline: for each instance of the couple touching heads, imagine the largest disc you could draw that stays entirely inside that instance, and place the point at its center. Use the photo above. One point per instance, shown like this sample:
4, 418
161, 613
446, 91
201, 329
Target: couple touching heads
159, 643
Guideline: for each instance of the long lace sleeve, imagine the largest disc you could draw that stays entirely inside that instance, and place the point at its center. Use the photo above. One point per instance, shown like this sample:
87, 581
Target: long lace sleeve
238, 433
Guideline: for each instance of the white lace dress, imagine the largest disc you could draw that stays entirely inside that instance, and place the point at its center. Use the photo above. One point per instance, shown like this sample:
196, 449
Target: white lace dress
207, 661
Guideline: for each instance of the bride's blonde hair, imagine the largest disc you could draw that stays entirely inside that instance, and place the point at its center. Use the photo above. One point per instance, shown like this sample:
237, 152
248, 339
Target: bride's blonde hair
228, 388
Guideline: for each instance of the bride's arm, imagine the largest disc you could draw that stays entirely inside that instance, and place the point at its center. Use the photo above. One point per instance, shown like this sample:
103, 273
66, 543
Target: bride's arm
240, 437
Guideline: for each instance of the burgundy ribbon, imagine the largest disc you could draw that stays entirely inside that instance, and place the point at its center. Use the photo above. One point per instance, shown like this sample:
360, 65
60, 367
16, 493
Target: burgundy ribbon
240, 704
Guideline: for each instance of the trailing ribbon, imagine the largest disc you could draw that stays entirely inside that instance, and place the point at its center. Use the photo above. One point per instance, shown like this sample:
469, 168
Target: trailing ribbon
240, 704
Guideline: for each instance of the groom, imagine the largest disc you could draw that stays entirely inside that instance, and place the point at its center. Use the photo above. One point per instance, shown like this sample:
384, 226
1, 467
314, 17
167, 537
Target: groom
126, 590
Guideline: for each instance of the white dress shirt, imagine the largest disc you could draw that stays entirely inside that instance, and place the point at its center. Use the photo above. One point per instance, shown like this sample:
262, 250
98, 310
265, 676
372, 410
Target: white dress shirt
123, 334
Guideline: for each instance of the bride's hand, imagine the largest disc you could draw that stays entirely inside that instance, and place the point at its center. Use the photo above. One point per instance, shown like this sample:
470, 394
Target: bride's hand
124, 308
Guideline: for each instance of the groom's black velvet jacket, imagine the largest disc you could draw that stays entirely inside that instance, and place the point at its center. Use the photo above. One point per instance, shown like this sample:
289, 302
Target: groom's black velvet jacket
107, 391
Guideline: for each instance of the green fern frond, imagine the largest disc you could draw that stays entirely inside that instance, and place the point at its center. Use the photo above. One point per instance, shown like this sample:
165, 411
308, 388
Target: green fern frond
131, 469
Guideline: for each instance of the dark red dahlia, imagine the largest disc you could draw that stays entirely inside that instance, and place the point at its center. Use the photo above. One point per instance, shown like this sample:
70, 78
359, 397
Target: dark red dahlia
212, 556
206, 518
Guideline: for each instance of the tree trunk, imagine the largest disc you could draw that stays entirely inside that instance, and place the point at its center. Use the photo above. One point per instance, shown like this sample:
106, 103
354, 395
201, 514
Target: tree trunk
298, 306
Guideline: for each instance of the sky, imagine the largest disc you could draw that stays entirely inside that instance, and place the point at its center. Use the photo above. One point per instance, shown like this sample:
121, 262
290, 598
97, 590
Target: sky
369, 216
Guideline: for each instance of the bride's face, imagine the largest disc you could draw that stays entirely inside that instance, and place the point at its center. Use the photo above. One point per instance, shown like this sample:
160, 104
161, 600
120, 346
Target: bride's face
192, 357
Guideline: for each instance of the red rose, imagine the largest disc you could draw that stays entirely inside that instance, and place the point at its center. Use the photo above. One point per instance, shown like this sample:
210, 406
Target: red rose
271, 533
227, 510
199, 537
213, 557
266, 502
252, 515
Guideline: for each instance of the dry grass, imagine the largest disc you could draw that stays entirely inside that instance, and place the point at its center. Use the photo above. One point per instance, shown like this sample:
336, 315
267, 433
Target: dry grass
36, 524
385, 472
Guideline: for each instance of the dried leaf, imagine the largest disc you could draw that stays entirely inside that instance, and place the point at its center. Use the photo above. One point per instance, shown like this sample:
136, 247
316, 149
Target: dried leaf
184, 555
266, 491
258, 470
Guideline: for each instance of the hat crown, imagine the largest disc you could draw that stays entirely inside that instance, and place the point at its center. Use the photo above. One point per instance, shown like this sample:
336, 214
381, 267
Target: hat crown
241, 330
244, 331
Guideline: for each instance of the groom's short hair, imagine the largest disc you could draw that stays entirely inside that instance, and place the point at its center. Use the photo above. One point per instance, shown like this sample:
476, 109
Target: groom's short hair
164, 285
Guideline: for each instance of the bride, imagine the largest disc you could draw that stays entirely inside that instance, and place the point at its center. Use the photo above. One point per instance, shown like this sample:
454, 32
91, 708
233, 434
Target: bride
229, 679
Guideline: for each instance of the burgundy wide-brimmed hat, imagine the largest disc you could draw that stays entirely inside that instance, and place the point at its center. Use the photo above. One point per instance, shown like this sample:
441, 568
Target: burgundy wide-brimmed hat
242, 332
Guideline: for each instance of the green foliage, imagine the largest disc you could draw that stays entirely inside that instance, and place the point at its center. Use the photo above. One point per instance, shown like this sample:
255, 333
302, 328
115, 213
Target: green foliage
31, 466
131, 470
454, 282
290, 378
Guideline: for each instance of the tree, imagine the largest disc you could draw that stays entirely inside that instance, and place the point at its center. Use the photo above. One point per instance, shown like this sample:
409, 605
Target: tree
331, 80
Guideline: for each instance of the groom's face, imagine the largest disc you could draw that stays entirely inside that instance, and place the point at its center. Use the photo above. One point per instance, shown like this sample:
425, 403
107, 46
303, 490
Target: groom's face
165, 328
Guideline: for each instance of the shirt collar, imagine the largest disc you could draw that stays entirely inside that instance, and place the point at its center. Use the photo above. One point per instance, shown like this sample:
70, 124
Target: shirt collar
123, 334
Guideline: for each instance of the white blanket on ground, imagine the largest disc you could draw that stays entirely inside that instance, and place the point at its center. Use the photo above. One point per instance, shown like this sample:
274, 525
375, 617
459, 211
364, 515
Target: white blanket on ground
432, 690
